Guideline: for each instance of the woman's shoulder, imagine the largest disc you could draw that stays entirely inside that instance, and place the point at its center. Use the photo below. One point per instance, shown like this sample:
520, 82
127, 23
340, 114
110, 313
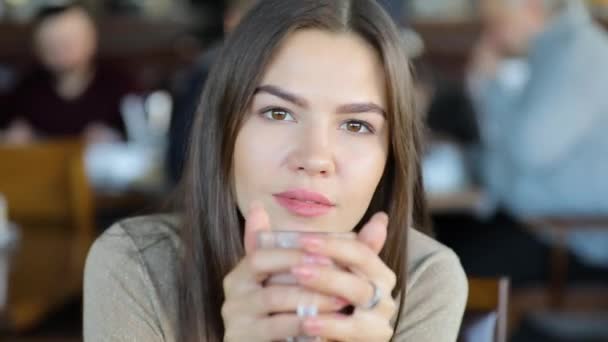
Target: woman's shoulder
151, 242
131, 270
144, 237
427, 255
145, 232
436, 292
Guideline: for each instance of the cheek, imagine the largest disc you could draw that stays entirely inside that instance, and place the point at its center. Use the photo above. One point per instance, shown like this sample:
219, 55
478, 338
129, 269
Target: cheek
362, 166
256, 154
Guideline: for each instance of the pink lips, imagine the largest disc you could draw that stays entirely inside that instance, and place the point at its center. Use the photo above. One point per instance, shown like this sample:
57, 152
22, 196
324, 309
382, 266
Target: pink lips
304, 203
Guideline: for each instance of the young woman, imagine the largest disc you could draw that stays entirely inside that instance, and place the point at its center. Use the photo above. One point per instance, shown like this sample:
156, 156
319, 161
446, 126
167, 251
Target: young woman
306, 124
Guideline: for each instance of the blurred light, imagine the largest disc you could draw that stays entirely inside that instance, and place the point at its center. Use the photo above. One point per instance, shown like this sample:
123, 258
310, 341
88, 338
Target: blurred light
159, 106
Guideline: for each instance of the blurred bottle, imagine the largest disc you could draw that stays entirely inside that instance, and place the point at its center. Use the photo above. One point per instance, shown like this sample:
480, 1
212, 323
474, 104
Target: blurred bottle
138, 164
3, 214
3, 268
8, 242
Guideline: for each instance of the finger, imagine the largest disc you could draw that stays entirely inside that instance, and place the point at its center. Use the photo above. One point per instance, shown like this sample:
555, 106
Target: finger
354, 255
386, 308
257, 220
369, 328
248, 275
373, 234
342, 284
334, 282
272, 328
281, 299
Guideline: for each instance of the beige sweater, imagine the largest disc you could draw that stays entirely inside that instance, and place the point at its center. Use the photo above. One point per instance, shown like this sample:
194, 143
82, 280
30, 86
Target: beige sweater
130, 290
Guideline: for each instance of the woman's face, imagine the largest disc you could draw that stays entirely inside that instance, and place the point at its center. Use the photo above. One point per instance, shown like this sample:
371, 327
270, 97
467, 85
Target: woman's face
315, 141
66, 42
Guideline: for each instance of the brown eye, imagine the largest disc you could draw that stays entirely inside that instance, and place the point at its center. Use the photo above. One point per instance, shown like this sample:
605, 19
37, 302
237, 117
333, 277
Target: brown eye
356, 127
278, 115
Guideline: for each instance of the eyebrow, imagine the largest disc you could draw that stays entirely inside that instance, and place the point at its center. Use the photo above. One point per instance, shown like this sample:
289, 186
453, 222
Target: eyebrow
351, 108
278, 92
366, 107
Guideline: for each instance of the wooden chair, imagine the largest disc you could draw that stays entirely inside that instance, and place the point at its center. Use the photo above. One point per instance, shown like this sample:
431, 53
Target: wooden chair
559, 295
49, 198
485, 318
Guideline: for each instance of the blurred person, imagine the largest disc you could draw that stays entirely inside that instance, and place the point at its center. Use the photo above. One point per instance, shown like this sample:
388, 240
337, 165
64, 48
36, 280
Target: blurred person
545, 151
538, 79
72, 93
307, 125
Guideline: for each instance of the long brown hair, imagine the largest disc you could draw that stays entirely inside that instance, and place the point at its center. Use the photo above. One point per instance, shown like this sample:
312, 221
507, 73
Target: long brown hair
212, 232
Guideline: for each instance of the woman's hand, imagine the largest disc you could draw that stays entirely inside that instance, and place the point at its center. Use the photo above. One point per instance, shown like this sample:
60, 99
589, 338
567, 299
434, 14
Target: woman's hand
365, 271
97, 133
18, 133
252, 312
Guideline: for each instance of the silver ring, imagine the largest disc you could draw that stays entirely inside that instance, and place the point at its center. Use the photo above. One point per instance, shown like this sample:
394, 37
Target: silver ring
376, 298
307, 311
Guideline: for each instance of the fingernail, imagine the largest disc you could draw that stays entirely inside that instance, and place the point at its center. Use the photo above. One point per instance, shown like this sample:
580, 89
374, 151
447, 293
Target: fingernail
312, 259
309, 259
313, 326
382, 217
340, 302
312, 244
304, 273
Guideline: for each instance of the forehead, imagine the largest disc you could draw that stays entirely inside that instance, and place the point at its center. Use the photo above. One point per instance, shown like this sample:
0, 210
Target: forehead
333, 66
74, 20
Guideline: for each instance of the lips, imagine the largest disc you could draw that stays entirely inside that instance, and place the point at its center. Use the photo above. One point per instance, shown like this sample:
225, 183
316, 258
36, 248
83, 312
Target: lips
304, 203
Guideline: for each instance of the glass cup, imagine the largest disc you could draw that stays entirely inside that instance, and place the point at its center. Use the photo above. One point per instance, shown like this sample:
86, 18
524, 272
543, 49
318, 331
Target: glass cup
308, 306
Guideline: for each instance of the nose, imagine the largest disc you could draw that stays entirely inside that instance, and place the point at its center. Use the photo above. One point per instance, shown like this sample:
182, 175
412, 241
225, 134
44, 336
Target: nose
313, 154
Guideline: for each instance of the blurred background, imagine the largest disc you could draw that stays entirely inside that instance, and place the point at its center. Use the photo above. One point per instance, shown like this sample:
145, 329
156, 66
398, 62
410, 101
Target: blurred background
97, 97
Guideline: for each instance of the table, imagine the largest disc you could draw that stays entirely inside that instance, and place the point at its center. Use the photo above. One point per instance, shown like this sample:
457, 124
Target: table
469, 200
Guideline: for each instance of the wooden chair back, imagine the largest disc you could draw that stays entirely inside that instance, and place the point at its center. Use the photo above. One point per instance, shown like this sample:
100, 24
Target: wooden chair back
45, 183
49, 198
485, 318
